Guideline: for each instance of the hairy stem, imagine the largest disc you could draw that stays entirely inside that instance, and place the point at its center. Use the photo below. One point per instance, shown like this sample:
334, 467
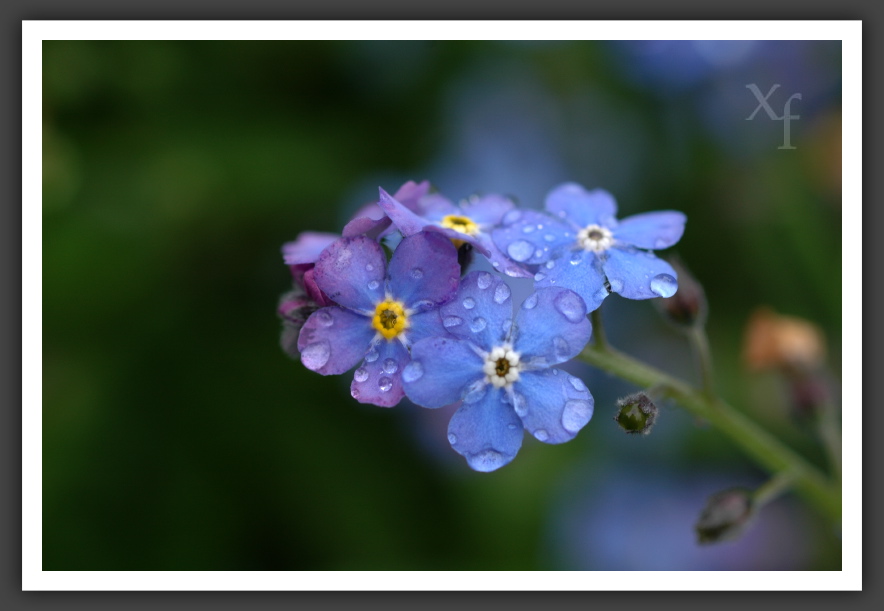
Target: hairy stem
764, 448
700, 344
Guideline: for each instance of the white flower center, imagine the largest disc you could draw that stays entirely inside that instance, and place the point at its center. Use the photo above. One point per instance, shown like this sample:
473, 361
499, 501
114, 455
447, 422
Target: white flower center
501, 366
595, 238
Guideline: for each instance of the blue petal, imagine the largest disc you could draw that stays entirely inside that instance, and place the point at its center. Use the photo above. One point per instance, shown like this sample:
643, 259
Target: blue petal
351, 272
552, 404
637, 274
571, 201
424, 268
307, 247
405, 220
441, 370
487, 433
487, 210
435, 207
551, 327
651, 230
499, 261
532, 237
379, 379
481, 312
334, 339
579, 270
423, 325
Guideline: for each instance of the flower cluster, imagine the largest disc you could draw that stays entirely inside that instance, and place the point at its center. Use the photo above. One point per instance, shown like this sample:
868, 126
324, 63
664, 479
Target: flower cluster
422, 326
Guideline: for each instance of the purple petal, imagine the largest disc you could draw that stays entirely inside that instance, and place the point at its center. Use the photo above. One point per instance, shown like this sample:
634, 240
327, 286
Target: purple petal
637, 274
554, 404
652, 229
532, 237
333, 340
370, 225
551, 327
410, 193
481, 312
487, 433
351, 272
440, 371
435, 206
424, 268
407, 221
581, 207
307, 247
500, 261
308, 280
487, 210
379, 379
579, 270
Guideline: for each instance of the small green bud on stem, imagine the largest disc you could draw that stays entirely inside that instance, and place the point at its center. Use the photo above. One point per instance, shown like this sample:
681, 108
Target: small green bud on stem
636, 414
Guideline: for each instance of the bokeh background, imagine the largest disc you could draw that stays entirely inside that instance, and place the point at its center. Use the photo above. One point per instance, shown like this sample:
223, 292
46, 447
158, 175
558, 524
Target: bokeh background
177, 435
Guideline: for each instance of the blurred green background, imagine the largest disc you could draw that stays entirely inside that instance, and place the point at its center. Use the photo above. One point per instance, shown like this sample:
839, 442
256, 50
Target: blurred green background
177, 435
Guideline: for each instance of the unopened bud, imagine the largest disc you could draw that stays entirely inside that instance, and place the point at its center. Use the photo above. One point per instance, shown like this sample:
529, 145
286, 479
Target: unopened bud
295, 307
786, 343
725, 516
687, 307
636, 414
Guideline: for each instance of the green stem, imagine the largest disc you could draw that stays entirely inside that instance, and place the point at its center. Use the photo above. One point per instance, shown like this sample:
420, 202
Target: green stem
772, 488
700, 344
765, 449
830, 433
598, 330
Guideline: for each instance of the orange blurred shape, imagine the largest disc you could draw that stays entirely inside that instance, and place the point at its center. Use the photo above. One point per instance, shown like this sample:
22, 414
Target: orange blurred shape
773, 341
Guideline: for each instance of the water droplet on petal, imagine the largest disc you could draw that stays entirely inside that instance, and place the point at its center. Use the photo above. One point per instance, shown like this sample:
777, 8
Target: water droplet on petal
469, 303
531, 302
354, 392
549, 237
452, 321
539, 276
577, 383
413, 371
487, 460
550, 264
478, 324
661, 243
616, 285
512, 216
484, 280
475, 391
664, 285
417, 273
561, 347
538, 253
576, 414
555, 371
385, 384
324, 318
527, 228
452, 438
315, 356
520, 250
541, 434
369, 267
501, 293
507, 325
390, 366
361, 374
521, 404
372, 356
373, 285
512, 426
571, 306
576, 258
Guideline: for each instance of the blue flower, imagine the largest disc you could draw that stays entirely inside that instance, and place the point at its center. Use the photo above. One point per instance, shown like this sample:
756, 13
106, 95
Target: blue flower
381, 310
583, 247
502, 369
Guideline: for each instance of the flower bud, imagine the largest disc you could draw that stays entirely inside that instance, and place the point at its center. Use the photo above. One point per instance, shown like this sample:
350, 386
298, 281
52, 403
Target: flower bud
725, 516
786, 343
688, 307
294, 308
636, 414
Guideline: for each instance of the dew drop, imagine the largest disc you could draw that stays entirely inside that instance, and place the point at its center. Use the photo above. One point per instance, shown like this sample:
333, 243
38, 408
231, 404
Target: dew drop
521, 405
390, 366
550, 264
484, 280
372, 356
452, 321
616, 285
501, 293
664, 285
452, 438
417, 273
475, 391
512, 216
541, 434
316, 355
369, 267
571, 306
520, 250
373, 285
531, 302
577, 383
487, 460
354, 392
576, 258
413, 371
512, 426
576, 414
469, 303
539, 276
361, 374
661, 243
324, 318
507, 325
561, 347
527, 228
478, 324
385, 384
538, 253
549, 237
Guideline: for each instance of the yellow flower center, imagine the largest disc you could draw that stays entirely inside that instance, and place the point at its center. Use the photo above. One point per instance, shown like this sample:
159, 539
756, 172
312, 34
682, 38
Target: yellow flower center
389, 319
461, 224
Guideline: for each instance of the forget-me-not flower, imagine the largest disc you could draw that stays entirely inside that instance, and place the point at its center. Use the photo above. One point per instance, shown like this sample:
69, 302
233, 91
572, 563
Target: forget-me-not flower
470, 222
501, 369
381, 310
583, 246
